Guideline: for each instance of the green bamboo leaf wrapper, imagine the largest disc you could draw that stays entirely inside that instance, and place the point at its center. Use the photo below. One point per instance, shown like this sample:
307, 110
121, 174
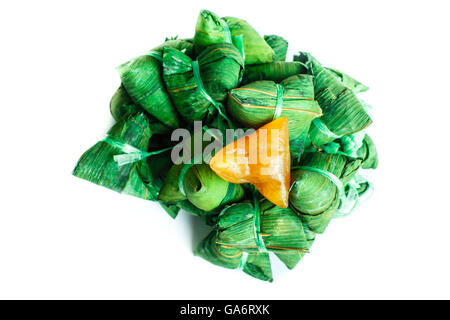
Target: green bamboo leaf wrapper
370, 156
187, 206
142, 79
171, 209
195, 154
275, 71
210, 30
343, 113
170, 191
204, 189
256, 264
349, 82
184, 45
256, 49
253, 105
207, 191
97, 164
220, 68
281, 229
279, 46
183, 80
122, 105
313, 195
292, 258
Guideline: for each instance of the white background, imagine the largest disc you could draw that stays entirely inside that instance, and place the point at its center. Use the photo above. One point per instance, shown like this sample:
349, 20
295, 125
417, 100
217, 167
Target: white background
62, 237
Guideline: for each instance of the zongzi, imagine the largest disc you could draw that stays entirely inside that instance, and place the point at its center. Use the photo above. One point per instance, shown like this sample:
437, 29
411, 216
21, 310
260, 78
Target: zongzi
314, 193
243, 228
211, 29
142, 79
264, 150
195, 85
98, 165
343, 112
279, 46
259, 102
201, 186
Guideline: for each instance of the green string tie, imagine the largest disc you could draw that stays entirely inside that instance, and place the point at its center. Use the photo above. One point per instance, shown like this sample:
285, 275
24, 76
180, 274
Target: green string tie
257, 223
279, 104
217, 105
130, 153
243, 260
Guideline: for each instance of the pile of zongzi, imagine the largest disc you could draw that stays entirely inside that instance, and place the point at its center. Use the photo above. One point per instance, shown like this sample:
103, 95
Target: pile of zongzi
266, 151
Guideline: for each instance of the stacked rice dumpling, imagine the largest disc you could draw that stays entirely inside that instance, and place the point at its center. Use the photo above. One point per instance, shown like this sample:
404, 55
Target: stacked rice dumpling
263, 149
348, 81
122, 105
200, 186
343, 112
314, 195
318, 185
211, 29
184, 45
97, 164
279, 46
369, 153
255, 264
220, 68
259, 102
279, 231
142, 79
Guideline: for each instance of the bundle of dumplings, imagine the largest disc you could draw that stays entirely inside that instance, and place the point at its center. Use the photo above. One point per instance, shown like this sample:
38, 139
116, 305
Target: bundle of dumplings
266, 151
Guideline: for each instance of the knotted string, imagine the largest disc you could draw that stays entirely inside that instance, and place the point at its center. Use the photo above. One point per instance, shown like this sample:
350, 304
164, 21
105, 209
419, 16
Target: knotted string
130, 154
217, 105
